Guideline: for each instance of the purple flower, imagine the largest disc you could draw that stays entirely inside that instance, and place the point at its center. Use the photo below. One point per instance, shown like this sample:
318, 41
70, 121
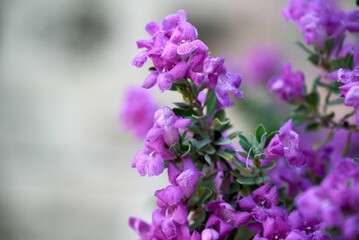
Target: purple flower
142, 228
289, 86
169, 124
274, 228
260, 63
335, 200
137, 111
172, 42
350, 89
317, 19
186, 179
262, 203
308, 227
147, 163
286, 144
346, 76
290, 143
228, 83
209, 234
224, 218
293, 179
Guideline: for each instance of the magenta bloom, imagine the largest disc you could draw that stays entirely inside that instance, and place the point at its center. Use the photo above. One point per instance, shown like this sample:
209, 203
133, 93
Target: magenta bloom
263, 203
260, 63
334, 202
286, 144
137, 111
224, 218
350, 89
289, 86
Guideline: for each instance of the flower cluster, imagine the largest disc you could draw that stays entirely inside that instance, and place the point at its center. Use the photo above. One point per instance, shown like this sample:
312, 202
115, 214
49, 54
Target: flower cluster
335, 201
321, 19
177, 53
164, 132
295, 183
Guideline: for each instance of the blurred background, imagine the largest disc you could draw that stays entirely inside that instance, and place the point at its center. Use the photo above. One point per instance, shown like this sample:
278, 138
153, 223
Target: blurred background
64, 66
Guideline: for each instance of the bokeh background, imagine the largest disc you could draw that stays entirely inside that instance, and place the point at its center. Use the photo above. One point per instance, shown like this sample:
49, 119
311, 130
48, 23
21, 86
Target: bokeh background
64, 66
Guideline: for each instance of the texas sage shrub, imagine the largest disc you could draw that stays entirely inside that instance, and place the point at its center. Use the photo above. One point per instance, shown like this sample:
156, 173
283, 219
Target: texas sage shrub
299, 182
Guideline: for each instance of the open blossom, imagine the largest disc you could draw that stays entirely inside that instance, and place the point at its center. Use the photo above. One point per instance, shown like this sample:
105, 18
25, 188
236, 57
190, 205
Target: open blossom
350, 89
286, 144
262, 203
137, 111
224, 218
289, 86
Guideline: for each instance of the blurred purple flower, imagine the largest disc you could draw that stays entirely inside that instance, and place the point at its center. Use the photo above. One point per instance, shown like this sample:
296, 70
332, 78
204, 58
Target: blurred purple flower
138, 108
289, 86
260, 63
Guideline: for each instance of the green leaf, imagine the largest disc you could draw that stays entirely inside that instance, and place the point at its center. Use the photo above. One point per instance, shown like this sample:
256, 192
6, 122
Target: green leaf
211, 102
220, 115
260, 131
357, 2
314, 58
251, 180
235, 187
175, 149
299, 118
305, 48
313, 99
183, 112
221, 125
337, 101
270, 137
333, 86
226, 155
205, 193
312, 126
234, 134
253, 139
244, 143
223, 141
269, 166
346, 62
185, 149
327, 118
243, 154
328, 44
328, 139
201, 217
198, 117
182, 105
208, 159
199, 144
197, 130
349, 61
209, 149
